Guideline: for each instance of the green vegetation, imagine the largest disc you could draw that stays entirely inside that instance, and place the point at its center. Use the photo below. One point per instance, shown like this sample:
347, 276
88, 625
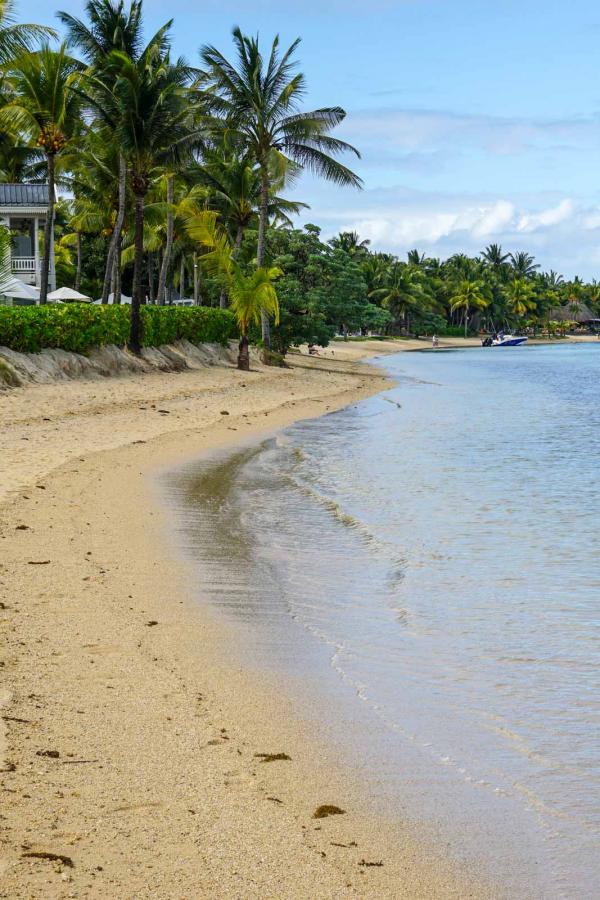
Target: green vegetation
176, 179
79, 327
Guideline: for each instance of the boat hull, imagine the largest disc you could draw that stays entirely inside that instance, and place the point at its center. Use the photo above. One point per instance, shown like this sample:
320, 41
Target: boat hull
510, 342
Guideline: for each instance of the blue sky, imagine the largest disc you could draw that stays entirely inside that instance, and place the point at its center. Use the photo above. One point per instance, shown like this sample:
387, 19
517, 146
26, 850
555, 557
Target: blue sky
477, 121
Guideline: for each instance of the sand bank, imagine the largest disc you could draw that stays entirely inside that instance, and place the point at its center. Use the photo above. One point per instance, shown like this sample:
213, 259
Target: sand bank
130, 768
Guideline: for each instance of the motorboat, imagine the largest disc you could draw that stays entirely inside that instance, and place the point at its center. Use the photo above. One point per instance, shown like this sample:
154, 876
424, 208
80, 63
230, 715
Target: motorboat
504, 340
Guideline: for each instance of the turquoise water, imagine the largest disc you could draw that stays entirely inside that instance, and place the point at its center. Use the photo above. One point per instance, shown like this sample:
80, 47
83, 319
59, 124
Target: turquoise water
426, 565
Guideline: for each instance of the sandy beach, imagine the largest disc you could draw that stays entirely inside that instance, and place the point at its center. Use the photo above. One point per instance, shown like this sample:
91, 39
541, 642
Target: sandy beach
136, 758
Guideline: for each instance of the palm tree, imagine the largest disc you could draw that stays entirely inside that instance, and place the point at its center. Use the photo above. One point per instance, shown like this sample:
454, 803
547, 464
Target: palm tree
414, 258
259, 102
249, 295
93, 179
350, 242
45, 107
111, 27
375, 267
233, 186
523, 264
551, 280
151, 116
19, 163
495, 257
470, 293
520, 296
16, 39
404, 288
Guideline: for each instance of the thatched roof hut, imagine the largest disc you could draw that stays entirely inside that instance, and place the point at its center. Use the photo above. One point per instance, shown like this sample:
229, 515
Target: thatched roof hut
572, 312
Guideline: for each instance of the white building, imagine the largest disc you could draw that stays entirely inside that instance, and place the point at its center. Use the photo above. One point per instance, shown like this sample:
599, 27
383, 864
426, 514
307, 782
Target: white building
23, 210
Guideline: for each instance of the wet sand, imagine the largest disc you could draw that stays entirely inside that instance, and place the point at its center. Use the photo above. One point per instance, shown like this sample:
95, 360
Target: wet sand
133, 762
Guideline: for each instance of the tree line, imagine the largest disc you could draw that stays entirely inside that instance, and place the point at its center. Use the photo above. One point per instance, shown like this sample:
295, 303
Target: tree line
174, 178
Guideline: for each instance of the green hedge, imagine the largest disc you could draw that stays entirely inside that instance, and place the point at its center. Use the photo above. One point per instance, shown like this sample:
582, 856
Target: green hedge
79, 327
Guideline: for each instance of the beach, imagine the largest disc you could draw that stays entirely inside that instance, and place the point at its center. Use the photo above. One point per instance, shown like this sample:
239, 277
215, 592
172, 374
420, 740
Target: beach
132, 761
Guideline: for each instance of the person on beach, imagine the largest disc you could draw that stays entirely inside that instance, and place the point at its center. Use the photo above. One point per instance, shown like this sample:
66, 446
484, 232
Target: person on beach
434, 341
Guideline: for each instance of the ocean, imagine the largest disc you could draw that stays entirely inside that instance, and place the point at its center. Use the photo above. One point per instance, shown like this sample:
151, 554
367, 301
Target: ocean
424, 568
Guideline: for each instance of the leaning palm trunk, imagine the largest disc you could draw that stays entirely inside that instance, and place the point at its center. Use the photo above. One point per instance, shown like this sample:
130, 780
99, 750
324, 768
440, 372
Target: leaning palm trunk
260, 252
48, 231
135, 338
166, 260
224, 298
116, 235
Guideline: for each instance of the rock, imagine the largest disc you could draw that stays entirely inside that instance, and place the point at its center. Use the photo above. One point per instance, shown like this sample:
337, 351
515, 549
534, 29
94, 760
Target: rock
272, 757
328, 809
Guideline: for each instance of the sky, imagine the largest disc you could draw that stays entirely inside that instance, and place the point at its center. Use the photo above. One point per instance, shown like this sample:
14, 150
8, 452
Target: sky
477, 121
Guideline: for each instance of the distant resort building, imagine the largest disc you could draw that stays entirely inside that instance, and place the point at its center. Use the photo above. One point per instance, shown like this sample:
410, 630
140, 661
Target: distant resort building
23, 210
578, 313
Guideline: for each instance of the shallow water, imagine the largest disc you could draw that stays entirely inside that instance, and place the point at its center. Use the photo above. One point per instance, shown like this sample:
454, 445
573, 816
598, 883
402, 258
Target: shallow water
425, 568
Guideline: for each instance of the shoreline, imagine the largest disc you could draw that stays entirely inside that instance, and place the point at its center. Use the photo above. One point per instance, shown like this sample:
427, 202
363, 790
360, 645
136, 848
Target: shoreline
157, 790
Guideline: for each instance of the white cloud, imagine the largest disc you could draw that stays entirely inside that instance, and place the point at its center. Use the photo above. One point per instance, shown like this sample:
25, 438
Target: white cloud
562, 232
413, 130
547, 217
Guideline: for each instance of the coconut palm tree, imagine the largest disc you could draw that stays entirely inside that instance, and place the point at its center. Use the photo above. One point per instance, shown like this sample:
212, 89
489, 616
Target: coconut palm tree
110, 27
414, 258
17, 38
233, 188
152, 117
470, 293
375, 267
19, 162
523, 264
249, 295
520, 298
405, 288
258, 100
494, 256
351, 243
46, 108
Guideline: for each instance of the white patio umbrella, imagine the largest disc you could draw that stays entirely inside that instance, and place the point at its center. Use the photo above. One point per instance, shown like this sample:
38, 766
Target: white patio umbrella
18, 289
125, 300
65, 294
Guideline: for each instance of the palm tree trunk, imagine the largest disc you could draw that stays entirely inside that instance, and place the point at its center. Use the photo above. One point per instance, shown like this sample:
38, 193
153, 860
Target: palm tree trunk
182, 278
243, 360
151, 276
223, 299
78, 272
239, 236
48, 249
196, 281
466, 318
263, 221
117, 295
166, 260
116, 235
135, 337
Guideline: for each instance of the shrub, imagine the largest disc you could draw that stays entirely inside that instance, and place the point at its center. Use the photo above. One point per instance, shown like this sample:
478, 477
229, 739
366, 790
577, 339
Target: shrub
79, 327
